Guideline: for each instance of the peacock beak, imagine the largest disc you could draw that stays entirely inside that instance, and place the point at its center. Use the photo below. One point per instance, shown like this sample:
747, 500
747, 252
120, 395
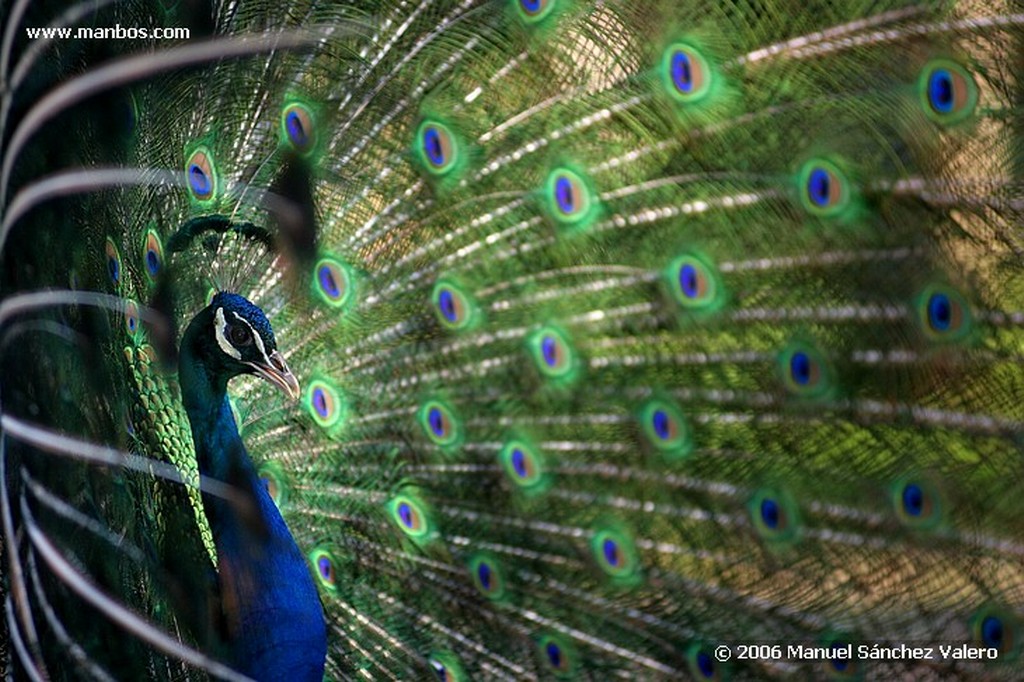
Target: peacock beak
277, 373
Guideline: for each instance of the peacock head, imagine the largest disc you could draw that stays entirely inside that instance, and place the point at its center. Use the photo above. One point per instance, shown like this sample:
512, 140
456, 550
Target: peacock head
232, 336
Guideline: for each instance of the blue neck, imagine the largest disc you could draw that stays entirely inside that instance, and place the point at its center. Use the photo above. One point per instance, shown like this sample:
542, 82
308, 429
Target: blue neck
213, 426
272, 610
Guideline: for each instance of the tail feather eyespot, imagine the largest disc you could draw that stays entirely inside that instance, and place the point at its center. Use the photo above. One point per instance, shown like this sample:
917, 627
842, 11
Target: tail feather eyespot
948, 92
297, 127
201, 175
686, 73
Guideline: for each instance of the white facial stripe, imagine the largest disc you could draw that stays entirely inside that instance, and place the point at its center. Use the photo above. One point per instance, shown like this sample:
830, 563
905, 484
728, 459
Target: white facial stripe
255, 336
220, 328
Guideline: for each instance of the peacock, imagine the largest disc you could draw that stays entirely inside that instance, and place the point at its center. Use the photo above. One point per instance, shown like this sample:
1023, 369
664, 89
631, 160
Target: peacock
512, 339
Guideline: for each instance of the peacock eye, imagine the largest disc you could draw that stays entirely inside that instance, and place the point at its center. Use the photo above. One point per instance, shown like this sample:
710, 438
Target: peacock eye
240, 335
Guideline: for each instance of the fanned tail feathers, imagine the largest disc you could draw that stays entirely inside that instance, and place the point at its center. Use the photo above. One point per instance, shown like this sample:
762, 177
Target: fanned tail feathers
625, 330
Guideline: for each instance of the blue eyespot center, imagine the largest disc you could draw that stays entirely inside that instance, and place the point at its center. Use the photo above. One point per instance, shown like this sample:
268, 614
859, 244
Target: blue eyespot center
447, 304
436, 420
549, 349
611, 552
519, 463
564, 195
819, 187
770, 513
800, 368
682, 74
940, 312
405, 514
483, 573
839, 663
296, 131
705, 664
198, 179
152, 262
554, 653
324, 565
327, 281
941, 93
320, 402
992, 632
689, 281
114, 269
913, 499
433, 147
662, 424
